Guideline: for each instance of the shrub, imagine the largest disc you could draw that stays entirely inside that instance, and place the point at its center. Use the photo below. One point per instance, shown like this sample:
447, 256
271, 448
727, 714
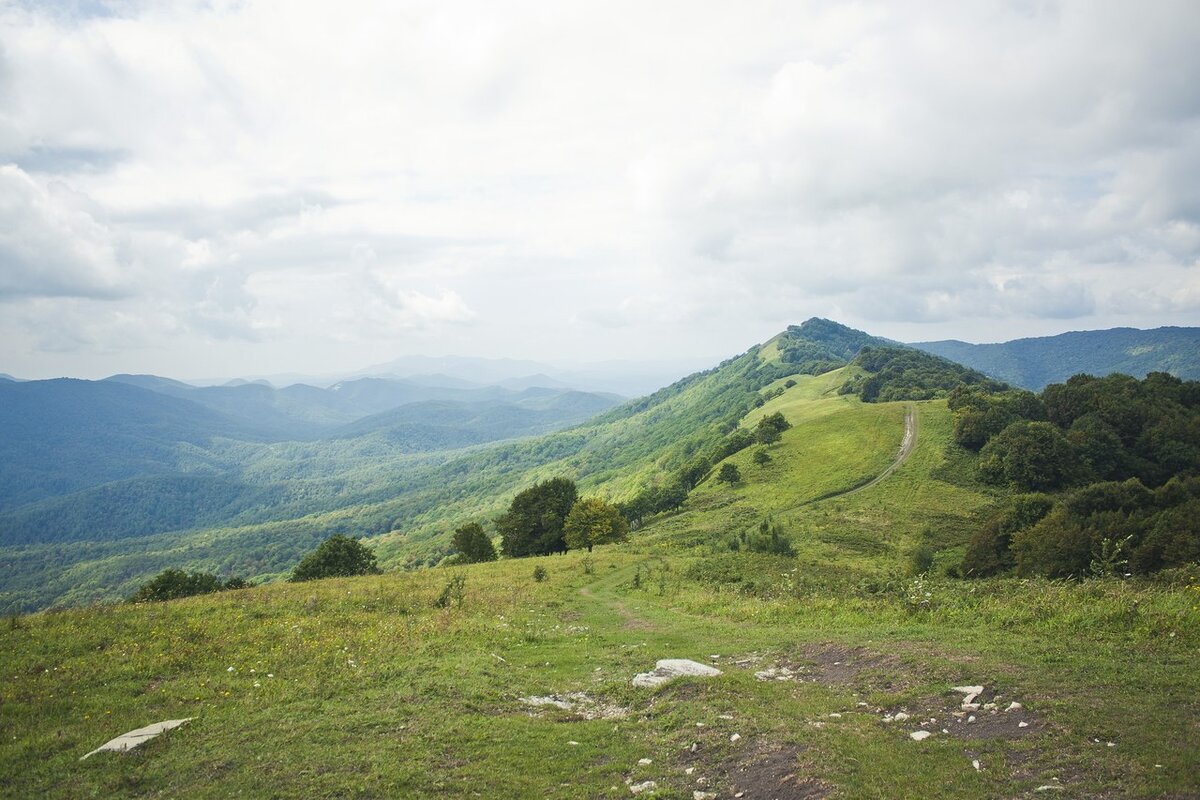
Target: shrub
1034, 456
473, 544
337, 557
988, 552
453, 592
593, 521
171, 584
920, 560
539, 573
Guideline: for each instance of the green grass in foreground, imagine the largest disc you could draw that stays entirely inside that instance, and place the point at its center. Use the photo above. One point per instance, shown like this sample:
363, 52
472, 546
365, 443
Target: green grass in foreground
361, 687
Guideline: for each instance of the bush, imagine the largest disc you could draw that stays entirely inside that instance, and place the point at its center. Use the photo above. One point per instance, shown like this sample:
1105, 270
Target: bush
171, 584
729, 473
337, 557
473, 544
1033, 456
988, 552
920, 560
453, 592
539, 573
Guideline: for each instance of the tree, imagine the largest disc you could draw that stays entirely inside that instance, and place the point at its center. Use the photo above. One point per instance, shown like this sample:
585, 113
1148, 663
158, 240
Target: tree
171, 584
728, 474
770, 428
1029, 455
473, 543
533, 524
762, 457
592, 521
337, 557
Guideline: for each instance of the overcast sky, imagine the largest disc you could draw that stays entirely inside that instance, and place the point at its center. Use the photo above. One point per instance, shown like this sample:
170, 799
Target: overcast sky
260, 187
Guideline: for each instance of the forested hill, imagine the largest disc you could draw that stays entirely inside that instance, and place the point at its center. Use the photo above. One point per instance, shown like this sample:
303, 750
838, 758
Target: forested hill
1037, 362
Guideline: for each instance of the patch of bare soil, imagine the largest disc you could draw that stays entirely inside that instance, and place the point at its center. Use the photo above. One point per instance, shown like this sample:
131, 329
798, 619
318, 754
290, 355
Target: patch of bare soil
773, 773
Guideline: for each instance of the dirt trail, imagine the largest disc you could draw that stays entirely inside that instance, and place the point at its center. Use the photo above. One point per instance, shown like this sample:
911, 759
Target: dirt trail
907, 445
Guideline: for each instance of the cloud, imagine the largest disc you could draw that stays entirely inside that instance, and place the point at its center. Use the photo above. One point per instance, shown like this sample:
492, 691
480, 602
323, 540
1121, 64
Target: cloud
319, 183
52, 245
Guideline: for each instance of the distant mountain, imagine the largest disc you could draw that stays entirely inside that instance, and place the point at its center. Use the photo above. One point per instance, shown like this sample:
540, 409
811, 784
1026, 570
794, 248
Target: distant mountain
4, 376
1034, 363
62, 435
446, 425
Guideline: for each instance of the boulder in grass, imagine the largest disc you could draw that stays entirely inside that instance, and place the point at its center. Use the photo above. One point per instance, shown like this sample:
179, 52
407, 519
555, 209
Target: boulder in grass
668, 669
127, 741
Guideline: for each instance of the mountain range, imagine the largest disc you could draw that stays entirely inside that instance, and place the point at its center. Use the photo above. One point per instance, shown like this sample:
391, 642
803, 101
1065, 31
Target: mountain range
103, 482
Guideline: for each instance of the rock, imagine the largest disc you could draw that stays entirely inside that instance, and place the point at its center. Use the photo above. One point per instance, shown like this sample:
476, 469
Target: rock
668, 669
900, 716
920, 736
969, 694
1014, 706
971, 718
573, 744
132, 739
643, 787
989, 706
689, 770
547, 700
644, 762
735, 737
978, 767
699, 795
1048, 788
1022, 724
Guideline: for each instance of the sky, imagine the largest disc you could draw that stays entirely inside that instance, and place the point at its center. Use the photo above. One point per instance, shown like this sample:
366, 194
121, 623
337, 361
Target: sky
239, 188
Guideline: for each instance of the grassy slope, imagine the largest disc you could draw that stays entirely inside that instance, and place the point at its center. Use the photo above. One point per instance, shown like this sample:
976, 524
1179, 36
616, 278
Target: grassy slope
376, 693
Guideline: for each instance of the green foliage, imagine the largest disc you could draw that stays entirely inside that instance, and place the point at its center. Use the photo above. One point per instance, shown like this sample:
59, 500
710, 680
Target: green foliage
988, 552
171, 584
761, 457
593, 521
819, 345
337, 557
453, 593
533, 524
539, 573
1106, 526
920, 559
901, 373
473, 544
728, 473
770, 428
1031, 456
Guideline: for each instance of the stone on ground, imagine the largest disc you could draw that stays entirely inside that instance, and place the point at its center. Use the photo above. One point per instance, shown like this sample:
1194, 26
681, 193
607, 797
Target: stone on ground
668, 669
132, 739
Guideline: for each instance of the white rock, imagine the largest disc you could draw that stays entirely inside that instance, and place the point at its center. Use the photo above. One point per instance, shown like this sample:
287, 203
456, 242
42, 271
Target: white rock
644, 762
668, 669
900, 716
689, 770
1022, 724
970, 706
643, 787
735, 737
989, 706
975, 763
971, 718
920, 736
132, 739
1048, 788
968, 689
573, 744
1014, 706
834, 715
699, 795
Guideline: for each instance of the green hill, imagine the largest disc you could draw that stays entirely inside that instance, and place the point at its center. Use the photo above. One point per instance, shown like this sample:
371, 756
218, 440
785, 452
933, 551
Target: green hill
830, 658
1035, 363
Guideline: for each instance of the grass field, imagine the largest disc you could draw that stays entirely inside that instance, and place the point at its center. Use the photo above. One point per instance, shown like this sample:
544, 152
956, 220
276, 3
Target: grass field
365, 688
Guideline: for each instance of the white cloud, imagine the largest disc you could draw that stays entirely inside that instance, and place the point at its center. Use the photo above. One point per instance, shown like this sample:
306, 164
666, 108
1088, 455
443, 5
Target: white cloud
546, 180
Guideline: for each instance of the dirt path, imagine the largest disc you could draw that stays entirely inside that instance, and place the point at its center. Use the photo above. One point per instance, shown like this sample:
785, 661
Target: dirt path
907, 445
